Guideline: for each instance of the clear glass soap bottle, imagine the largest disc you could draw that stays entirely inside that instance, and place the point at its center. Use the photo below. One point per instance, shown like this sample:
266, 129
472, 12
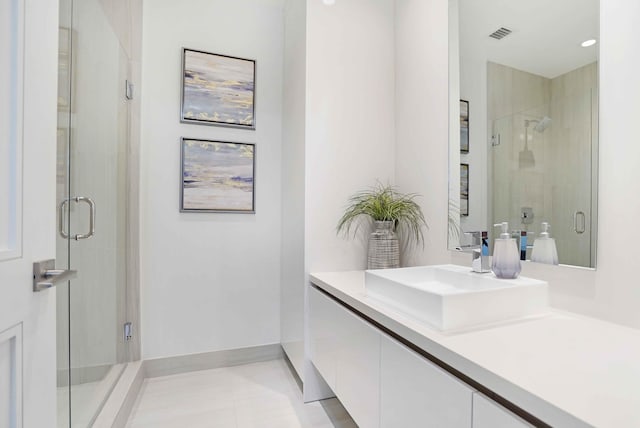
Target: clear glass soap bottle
506, 258
544, 248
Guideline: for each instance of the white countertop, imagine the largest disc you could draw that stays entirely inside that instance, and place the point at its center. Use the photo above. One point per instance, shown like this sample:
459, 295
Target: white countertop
565, 369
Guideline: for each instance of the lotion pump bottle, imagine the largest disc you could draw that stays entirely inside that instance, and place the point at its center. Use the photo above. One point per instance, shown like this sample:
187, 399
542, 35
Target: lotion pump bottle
506, 257
544, 248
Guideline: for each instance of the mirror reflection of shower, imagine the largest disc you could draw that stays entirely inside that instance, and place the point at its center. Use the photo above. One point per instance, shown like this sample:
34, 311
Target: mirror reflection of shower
540, 161
534, 137
526, 159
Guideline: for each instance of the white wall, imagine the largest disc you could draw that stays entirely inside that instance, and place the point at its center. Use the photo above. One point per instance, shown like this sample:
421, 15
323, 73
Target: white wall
209, 281
293, 151
350, 120
422, 117
612, 291
350, 127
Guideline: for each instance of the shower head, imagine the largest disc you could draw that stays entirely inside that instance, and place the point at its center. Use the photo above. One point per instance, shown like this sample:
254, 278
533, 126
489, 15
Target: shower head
542, 124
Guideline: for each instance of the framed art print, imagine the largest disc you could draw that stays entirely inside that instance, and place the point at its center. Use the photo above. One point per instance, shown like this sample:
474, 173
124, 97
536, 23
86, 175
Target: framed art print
217, 89
464, 189
217, 176
464, 126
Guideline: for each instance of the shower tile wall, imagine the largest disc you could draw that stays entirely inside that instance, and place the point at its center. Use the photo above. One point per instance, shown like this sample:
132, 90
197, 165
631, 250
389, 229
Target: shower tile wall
558, 178
513, 97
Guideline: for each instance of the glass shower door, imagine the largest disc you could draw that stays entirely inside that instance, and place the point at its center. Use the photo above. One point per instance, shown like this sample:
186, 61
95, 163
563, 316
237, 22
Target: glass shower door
94, 131
574, 162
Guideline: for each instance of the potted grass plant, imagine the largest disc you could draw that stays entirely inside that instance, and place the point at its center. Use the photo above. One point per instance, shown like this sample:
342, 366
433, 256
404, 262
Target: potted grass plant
392, 216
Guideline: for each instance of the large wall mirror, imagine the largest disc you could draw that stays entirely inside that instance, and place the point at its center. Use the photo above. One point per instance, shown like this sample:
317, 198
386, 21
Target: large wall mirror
524, 123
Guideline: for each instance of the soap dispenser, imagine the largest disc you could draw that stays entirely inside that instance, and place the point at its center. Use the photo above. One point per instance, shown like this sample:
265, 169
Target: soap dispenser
544, 248
506, 258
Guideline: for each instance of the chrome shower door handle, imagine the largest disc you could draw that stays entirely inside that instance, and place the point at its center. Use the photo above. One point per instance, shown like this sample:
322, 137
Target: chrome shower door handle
92, 217
579, 229
61, 218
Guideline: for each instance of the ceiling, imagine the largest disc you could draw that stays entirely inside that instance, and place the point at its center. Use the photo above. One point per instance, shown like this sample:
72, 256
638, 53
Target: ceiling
546, 34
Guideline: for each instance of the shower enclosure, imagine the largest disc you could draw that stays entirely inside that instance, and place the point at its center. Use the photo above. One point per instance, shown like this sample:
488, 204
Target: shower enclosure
543, 151
96, 213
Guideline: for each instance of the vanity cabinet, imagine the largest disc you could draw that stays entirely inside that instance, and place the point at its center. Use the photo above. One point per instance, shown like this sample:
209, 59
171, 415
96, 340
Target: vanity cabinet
413, 389
384, 384
489, 414
346, 351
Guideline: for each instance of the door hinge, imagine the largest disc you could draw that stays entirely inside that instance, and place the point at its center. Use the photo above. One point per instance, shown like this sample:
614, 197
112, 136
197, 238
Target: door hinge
128, 331
128, 90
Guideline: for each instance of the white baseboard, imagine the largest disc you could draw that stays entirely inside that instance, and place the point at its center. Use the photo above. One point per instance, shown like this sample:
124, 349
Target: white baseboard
211, 360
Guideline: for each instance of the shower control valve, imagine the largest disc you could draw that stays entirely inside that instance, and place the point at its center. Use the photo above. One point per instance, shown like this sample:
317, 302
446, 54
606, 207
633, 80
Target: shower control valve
526, 215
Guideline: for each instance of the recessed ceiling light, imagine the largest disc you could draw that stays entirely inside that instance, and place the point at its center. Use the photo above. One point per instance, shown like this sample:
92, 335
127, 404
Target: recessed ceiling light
588, 43
328, 2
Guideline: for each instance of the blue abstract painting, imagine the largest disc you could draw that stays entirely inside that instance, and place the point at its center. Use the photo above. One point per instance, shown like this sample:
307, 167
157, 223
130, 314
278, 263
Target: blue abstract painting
218, 89
217, 176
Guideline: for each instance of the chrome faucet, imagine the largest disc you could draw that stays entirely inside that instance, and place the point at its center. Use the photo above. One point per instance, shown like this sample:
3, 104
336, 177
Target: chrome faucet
479, 249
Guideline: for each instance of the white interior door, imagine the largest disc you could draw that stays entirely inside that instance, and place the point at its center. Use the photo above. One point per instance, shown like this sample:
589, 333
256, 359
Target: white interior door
28, 85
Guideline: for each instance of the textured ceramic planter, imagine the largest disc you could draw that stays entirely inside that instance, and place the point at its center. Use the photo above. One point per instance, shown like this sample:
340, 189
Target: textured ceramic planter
384, 249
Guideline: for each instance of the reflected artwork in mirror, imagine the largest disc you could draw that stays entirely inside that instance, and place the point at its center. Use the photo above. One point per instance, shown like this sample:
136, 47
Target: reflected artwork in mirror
534, 89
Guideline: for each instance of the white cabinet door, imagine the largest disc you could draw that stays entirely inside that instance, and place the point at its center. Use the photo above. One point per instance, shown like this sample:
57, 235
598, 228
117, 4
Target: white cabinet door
489, 414
417, 393
346, 351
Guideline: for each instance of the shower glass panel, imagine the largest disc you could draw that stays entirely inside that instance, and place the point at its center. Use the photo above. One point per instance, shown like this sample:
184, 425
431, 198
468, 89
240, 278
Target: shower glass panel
542, 162
93, 138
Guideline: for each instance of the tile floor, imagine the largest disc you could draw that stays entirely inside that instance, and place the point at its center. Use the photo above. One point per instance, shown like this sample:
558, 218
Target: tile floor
258, 395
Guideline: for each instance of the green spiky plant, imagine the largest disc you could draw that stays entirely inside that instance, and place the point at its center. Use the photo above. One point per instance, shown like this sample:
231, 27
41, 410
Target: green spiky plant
385, 203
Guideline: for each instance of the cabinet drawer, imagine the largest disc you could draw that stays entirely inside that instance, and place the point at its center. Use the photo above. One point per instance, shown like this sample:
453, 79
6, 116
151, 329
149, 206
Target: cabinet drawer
417, 393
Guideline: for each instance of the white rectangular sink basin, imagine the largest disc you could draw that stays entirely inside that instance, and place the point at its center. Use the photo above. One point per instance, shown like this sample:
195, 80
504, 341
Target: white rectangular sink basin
451, 297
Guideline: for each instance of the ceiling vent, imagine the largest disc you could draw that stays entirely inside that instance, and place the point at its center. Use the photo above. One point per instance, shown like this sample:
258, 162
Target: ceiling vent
500, 33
